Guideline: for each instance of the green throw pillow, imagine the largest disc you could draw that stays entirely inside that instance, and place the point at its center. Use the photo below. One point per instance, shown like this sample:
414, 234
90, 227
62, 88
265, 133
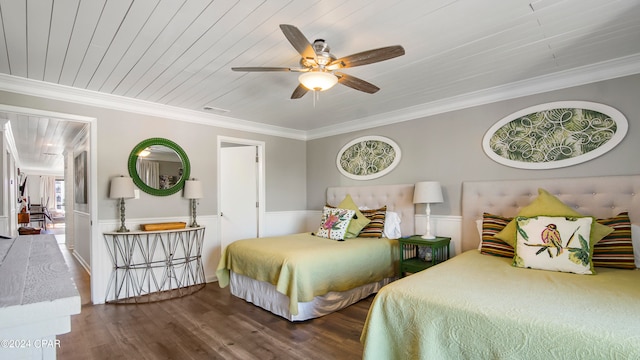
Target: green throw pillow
548, 205
358, 222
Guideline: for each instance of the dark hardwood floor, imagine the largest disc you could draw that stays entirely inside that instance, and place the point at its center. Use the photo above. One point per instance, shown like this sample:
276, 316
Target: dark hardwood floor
210, 324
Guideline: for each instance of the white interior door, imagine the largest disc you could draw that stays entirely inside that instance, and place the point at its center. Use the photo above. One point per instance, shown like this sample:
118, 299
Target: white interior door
238, 193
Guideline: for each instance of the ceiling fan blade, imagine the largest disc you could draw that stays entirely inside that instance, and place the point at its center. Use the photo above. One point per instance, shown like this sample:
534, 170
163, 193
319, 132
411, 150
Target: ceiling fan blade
367, 57
356, 83
299, 41
250, 68
299, 92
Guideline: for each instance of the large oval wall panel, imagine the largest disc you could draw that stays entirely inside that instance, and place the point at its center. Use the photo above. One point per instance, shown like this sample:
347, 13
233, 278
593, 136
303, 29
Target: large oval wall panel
368, 157
555, 135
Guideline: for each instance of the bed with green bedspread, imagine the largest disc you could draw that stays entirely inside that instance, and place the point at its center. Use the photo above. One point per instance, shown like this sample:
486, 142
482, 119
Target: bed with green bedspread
476, 306
303, 266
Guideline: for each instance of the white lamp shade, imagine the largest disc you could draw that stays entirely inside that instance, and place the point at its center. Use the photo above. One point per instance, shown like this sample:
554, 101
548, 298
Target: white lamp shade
121, 188
317, 80
427, 192
193, 189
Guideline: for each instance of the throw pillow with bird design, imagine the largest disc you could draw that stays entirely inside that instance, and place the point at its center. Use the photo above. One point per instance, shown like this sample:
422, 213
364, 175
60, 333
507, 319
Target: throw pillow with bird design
554, 243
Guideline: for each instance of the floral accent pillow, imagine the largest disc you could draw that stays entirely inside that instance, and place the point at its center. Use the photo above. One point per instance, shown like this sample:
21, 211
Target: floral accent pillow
334, 223
554, 243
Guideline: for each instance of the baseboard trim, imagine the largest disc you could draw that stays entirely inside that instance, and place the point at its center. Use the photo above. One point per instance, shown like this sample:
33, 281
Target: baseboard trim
82, 262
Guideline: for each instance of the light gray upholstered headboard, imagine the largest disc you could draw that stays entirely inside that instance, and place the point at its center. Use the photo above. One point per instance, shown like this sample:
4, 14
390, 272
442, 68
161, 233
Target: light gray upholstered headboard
397, 198
602, 197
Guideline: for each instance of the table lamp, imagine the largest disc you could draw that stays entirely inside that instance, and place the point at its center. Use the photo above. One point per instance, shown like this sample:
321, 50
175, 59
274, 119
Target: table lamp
121, 188
427, 192
193, 191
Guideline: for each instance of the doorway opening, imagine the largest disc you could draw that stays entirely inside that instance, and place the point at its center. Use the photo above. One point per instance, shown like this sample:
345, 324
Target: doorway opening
78, 218
57, 211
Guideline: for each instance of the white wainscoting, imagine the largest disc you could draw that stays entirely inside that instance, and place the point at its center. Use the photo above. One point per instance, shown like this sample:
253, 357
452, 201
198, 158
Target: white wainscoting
82, 246
313, 220
276, 223
290, 222
4, 226
443, 225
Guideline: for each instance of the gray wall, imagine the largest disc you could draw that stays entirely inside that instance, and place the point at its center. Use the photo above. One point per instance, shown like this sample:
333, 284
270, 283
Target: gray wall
445, 147
119, 131
200, 144
448, 147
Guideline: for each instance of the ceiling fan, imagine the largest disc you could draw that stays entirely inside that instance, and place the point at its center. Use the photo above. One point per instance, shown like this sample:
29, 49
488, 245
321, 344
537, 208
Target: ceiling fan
318, 65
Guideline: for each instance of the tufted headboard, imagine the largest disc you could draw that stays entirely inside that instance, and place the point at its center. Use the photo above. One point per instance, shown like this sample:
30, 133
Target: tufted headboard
602, 197
397, 198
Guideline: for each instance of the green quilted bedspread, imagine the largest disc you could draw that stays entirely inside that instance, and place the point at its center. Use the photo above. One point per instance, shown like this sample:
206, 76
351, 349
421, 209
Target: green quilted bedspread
477, 306
303, 266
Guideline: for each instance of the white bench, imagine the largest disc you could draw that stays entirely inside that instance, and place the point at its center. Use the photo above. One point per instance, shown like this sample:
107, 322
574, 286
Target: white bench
37, 297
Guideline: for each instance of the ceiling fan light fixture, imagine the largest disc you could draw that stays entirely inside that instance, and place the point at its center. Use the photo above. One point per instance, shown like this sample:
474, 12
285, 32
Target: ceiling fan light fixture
318, 80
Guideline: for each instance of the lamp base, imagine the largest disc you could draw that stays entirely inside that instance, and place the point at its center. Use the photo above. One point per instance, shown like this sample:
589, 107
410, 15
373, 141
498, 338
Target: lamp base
122, 227
428, 235
193, 214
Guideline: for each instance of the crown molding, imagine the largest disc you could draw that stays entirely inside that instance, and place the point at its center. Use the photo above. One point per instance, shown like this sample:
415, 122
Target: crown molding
115, 102
42, 171
606, 70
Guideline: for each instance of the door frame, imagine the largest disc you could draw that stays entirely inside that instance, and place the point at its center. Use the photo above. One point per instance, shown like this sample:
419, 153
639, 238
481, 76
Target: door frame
92, 171
260, 145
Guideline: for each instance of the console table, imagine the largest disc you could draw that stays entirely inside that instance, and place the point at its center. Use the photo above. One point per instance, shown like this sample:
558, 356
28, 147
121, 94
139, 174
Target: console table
154, 265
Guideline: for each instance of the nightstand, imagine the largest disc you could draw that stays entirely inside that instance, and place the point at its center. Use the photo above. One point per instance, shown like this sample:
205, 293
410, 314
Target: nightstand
437, 251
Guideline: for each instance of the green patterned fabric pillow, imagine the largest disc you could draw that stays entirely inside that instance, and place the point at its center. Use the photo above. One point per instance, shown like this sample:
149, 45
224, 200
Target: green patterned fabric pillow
490, 245
375, 228
548, 205
334, 223
358, 222
616, 249
554, 243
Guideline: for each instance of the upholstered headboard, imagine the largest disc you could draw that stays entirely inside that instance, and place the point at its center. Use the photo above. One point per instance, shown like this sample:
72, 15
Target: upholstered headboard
602, 197
397, 198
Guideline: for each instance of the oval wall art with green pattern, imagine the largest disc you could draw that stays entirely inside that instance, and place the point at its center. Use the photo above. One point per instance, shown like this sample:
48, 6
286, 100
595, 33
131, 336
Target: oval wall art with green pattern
555, 135
368, 157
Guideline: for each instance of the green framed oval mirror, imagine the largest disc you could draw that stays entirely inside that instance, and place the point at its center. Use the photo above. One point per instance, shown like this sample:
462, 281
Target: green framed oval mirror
159, 166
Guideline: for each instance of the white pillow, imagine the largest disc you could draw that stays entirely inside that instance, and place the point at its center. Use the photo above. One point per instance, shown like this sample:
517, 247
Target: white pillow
392, 225
479, 226
635, 239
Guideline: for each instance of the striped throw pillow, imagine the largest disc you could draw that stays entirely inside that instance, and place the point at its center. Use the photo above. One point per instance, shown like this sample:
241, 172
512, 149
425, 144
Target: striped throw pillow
491, 245
375, 228
616, 249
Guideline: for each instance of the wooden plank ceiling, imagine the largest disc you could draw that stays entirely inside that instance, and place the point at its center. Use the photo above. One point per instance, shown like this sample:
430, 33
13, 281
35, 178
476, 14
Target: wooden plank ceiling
180, 53
42, 141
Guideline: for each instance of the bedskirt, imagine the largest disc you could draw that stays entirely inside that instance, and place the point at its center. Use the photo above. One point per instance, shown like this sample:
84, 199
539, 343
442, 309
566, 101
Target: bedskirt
303, 266
266, 296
